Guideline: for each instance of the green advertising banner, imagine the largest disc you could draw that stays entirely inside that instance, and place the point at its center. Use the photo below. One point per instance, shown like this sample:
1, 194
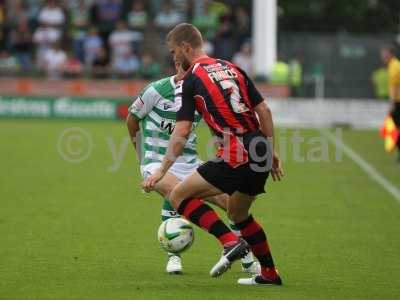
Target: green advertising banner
63, 108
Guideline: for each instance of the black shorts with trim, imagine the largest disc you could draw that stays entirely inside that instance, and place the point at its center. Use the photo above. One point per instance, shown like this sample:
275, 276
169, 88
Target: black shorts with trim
249, 178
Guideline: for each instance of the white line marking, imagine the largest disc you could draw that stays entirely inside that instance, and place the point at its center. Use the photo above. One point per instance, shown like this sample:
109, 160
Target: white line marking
365, 166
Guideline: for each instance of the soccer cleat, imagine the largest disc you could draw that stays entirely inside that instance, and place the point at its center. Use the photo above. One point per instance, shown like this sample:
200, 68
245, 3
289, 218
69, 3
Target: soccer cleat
259, 280
174, 265
252, 268
229, 255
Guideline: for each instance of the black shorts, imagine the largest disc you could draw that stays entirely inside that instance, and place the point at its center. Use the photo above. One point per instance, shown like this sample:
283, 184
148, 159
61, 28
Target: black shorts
396, 114
249, 178
396, 119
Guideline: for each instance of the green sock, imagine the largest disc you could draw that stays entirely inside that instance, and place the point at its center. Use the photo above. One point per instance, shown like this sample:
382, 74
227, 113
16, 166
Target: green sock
167, 211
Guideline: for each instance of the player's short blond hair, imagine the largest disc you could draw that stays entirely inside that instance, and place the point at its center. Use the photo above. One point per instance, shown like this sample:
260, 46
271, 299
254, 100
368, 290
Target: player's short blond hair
187, 33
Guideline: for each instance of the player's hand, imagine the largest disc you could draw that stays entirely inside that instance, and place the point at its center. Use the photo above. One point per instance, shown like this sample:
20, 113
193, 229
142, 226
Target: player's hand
277, 170
149, 183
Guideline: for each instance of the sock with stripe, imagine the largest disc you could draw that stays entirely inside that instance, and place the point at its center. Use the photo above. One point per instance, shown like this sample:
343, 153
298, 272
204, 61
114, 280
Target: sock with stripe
199, 213
247, 260
255, 236
167, 211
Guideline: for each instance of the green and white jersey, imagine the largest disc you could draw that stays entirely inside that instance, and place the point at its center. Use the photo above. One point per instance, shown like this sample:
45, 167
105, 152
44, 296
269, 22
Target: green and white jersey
156, 109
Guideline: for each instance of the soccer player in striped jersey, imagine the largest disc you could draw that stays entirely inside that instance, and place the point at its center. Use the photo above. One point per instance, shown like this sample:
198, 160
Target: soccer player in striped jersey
150, 122
236, 112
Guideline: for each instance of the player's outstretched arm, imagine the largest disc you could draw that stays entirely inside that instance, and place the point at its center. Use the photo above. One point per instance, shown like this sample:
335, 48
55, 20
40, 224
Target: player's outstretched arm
175, 148
267, 128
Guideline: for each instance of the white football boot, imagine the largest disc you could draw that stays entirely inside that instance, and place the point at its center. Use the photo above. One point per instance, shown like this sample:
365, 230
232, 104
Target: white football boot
174, 264
229, 255
259, 280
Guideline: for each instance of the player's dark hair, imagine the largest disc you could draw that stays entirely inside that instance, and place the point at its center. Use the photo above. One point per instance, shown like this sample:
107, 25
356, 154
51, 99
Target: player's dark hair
185, 32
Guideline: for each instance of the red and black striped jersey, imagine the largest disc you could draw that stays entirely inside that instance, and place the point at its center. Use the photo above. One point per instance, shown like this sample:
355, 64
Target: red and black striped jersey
225, 97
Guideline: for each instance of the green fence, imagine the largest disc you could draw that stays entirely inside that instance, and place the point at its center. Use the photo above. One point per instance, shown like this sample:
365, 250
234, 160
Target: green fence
346, 60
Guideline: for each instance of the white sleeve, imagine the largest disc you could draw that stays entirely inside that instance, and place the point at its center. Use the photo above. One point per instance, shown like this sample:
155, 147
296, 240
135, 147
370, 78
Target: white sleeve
38, 35
42, 16
61, 17
144, 103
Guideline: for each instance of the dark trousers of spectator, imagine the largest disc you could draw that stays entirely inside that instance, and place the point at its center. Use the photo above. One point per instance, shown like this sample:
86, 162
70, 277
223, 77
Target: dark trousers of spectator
295, 91
24, 59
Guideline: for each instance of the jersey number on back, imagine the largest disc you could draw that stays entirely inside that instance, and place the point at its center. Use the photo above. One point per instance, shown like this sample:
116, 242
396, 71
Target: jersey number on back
237, 104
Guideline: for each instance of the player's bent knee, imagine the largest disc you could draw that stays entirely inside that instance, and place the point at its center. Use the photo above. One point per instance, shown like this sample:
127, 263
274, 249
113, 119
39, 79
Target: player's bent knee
165, 190
237, 216
175, 199
166, 185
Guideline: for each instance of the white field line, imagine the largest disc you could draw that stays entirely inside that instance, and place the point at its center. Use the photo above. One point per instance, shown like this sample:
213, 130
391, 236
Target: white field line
365, 166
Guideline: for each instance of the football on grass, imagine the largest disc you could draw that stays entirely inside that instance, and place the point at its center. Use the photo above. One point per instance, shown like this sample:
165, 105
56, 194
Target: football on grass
175, 235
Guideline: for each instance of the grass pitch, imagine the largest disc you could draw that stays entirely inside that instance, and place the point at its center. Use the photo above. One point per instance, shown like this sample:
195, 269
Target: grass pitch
75, 225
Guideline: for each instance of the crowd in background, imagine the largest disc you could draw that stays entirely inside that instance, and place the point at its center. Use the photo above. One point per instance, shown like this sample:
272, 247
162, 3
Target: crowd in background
118, 38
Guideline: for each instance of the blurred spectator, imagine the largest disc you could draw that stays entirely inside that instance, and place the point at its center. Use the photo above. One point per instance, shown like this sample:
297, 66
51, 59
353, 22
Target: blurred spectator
126, 64
168, 17
17, 11
51, 14
21, 44
242, 24
208, 48
123, 40
2, 23
51, 18
149, 68
100, 65
215, 8
79, 17
296, 76
73, 4
218, 8
8, 63
138, 17
54, 62
280, 73
206, 21
380, 82
243, 59
155, 5
72, 67
106, 14
44, 37
224, 40
91, 45
33, 26
181, 6
33, 8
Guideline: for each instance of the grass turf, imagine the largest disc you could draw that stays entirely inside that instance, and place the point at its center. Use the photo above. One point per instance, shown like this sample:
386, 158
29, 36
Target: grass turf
85, 231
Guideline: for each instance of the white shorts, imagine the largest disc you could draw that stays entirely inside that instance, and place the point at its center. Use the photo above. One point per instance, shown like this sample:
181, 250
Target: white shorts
180, 170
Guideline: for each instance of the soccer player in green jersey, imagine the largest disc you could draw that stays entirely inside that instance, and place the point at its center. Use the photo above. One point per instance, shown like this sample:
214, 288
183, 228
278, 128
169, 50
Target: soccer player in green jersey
150, 122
